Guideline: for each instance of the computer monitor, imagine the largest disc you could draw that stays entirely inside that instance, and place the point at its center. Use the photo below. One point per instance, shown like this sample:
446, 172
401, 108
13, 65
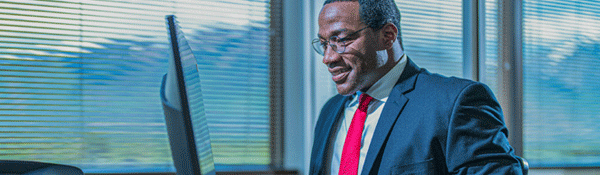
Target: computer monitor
184, 108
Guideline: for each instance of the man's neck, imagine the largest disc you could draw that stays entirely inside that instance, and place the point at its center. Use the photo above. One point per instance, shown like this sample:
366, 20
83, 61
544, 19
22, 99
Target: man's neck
393, 54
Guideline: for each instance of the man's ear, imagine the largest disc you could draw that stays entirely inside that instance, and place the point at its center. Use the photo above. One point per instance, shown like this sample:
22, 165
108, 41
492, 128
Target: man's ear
389, 33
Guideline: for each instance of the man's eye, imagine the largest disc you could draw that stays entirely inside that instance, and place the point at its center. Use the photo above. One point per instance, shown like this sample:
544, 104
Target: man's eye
324, 44
345, 41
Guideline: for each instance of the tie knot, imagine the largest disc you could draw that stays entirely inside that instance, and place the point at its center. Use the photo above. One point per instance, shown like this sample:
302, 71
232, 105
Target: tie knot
364, 101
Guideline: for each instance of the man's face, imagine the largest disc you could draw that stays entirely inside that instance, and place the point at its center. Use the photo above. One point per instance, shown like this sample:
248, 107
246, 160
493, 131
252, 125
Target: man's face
356, 68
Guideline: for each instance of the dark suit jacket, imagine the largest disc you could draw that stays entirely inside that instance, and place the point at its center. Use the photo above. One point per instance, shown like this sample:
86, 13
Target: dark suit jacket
430, 124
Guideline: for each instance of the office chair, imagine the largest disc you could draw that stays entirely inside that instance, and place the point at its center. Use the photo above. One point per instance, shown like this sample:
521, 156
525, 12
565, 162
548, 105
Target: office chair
19, 167
524, 166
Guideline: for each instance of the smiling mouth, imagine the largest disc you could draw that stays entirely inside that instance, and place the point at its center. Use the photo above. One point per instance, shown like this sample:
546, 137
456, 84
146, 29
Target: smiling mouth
340, 75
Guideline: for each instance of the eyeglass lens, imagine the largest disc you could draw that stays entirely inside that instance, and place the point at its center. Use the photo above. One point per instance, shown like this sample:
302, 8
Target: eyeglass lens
334, 42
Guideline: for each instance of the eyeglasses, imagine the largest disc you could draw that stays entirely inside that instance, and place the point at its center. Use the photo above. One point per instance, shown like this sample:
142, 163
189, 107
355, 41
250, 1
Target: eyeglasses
336, 43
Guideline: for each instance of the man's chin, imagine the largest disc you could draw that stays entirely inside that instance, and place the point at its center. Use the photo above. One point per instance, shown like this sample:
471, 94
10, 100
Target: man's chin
344, 89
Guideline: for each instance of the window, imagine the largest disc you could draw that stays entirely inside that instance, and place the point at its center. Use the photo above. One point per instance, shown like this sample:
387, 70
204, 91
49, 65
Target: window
80, 81
560, 42
432, 34
561, 109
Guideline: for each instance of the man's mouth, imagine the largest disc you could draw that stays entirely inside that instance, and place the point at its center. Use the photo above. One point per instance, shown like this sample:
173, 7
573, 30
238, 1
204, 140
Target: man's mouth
339, 75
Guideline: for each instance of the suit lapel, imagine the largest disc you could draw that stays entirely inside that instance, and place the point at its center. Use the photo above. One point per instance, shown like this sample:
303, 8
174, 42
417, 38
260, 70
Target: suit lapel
392, 109
327, 131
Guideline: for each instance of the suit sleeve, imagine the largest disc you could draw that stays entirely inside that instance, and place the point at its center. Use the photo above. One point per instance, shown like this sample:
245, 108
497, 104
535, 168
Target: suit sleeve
477, 140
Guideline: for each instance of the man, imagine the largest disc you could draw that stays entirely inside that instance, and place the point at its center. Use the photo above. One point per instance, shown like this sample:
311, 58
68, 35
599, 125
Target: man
392, 117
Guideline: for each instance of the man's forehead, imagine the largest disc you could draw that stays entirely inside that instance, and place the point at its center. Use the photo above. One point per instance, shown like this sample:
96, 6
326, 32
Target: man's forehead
338, 17
340, 9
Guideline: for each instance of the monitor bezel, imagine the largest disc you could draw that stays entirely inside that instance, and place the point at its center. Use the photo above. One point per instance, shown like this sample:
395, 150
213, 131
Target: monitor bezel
189, 133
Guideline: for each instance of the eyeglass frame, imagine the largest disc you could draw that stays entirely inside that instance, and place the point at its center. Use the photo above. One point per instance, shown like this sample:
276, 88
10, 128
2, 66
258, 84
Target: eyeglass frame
333, 46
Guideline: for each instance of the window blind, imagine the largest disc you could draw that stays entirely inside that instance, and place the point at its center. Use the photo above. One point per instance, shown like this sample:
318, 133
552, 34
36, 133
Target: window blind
79, 81
432, 34
232, 48
561, 41
491, 46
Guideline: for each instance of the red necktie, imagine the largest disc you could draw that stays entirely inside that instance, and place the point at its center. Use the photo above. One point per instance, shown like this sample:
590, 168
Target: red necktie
351, 151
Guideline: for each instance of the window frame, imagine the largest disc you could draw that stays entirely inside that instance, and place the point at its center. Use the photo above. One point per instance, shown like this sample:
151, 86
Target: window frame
510, 80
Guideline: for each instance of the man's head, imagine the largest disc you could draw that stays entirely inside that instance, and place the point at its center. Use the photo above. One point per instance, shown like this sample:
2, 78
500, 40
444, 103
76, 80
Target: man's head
361, 56
377, 13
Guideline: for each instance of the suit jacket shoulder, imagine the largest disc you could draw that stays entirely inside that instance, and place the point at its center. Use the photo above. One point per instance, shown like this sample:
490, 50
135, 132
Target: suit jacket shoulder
440, 125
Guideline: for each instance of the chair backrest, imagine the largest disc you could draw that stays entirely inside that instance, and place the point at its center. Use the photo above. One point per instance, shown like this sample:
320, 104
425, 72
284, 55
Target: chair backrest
36, 168
524, 166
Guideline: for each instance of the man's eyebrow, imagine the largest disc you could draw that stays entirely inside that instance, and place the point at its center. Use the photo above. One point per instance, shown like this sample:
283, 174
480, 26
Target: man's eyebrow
334, 33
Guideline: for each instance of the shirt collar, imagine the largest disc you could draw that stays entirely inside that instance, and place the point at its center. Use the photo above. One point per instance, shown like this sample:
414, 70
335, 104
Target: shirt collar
383, 87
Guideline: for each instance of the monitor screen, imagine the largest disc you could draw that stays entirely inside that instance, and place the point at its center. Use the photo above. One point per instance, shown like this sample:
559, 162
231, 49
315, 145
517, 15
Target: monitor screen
184, 108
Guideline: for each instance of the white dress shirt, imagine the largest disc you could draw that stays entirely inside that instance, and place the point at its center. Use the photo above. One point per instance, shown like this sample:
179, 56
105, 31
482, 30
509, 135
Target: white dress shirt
380, 92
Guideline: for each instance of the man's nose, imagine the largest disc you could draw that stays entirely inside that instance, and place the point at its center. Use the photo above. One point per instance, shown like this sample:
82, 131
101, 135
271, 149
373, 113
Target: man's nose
330, 56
